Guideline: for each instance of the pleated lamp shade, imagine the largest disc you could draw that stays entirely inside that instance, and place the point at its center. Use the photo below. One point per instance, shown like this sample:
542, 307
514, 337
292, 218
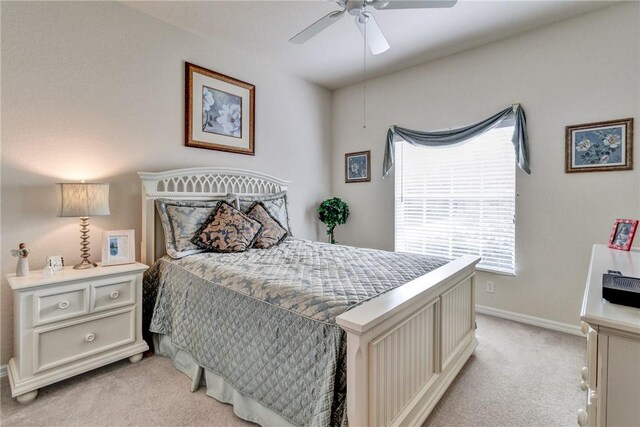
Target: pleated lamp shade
84, 200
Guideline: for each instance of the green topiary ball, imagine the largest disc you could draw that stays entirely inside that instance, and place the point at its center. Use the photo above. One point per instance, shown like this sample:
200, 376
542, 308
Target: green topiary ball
333, 212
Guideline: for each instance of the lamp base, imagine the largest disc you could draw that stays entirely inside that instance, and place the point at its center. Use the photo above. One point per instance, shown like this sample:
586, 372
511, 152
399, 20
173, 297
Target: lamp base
84, 265
84, 244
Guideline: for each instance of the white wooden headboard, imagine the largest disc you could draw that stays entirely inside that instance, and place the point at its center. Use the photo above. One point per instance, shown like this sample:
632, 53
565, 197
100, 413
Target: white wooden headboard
194, 184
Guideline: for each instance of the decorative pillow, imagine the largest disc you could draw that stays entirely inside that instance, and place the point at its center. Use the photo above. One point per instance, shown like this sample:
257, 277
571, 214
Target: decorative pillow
271, 232
181, 219
276, 204
227, 230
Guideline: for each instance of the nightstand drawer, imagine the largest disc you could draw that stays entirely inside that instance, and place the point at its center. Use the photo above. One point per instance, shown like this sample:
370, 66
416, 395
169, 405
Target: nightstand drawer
113, 292
61, 303
55, 346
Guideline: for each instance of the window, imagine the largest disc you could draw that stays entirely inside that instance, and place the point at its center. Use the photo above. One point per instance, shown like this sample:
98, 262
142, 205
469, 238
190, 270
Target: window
457, 200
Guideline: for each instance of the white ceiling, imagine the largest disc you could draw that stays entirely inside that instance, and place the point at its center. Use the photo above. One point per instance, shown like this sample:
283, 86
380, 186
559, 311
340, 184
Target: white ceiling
334, 58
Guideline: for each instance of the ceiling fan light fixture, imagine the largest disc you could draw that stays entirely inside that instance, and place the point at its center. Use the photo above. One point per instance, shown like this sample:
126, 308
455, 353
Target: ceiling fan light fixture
363, 18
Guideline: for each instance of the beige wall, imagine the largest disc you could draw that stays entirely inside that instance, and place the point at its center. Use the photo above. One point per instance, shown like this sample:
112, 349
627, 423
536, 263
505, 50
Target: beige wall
581, 70
95, 91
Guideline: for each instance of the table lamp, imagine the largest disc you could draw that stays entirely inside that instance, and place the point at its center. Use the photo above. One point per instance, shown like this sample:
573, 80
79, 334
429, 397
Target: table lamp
81, 200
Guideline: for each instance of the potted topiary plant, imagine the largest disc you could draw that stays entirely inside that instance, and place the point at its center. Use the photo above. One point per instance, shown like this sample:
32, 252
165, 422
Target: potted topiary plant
333, 212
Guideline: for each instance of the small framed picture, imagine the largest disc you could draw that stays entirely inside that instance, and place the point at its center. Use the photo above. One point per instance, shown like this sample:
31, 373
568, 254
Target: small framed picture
118, 247
599, 147
622, 234
357, 167
56, 262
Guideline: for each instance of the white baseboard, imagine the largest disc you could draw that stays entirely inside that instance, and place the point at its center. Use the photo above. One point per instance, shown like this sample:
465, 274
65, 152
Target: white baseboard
3, 371
530, 320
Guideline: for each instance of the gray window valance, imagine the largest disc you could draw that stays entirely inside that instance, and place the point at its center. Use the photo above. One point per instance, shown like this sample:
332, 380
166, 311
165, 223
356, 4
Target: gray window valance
454, 136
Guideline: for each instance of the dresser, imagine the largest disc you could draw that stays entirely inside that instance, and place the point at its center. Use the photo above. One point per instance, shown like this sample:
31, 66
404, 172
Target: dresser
612, 375
72, 322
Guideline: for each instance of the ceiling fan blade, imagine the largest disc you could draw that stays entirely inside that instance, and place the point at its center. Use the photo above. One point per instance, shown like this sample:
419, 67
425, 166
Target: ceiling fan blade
411, 4
316, 27
375, 39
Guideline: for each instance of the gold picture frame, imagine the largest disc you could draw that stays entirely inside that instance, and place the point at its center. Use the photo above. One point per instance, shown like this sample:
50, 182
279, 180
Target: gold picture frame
219, 111
599, 146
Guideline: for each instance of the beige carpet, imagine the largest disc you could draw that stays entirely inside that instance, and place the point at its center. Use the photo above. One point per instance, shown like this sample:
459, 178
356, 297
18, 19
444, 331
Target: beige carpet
519, 376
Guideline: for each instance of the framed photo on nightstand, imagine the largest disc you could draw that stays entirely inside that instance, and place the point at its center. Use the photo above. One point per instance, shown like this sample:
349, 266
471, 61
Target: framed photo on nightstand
118, 247
622, 234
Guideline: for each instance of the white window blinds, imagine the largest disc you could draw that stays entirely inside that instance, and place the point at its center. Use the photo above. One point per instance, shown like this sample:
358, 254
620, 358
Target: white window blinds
460, 199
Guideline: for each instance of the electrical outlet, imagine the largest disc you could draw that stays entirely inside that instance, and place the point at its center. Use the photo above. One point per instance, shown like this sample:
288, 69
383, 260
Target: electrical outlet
491, 287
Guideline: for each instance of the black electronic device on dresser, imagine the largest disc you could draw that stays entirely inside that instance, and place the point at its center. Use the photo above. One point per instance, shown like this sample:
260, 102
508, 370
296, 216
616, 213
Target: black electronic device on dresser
619, 289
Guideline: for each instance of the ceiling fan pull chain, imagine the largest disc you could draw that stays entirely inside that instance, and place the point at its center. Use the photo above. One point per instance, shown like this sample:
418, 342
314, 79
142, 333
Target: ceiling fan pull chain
364, 77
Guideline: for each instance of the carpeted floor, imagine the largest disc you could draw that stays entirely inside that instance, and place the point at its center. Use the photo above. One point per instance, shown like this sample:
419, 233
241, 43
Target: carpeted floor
519, 376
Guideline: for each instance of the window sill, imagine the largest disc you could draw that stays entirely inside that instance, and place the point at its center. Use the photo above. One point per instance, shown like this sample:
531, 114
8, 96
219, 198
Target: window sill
500, 272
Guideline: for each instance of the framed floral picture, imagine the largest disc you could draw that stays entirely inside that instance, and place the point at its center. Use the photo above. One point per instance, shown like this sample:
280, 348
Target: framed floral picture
601, 146
623, 233
219, 111
357, 167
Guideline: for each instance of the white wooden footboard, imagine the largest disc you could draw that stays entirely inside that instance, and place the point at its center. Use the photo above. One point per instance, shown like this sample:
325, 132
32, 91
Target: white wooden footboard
405, 347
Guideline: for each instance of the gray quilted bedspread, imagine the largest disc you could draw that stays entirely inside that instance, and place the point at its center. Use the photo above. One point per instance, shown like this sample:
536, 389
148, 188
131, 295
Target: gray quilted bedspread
265, 319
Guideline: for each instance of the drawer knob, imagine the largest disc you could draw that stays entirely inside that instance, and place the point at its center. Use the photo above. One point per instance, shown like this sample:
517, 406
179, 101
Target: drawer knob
583, 417
585, 373
584, 386
115, 294
63, 305
90, 337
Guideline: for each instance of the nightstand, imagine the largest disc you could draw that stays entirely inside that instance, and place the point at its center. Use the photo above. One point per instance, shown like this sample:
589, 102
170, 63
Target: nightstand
72, 322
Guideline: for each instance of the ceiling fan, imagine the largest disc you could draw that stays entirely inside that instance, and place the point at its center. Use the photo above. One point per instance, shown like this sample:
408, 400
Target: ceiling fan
365, 20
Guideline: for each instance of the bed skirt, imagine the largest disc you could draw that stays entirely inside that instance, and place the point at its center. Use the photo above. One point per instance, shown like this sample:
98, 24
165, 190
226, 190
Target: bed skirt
216, 386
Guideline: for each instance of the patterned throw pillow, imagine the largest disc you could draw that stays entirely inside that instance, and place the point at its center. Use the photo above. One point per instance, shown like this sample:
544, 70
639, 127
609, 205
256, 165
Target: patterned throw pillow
181, 219
271, 233
227, 230
276, 204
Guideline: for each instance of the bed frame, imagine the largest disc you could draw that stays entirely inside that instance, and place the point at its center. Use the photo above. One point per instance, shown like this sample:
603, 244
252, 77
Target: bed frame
404, 348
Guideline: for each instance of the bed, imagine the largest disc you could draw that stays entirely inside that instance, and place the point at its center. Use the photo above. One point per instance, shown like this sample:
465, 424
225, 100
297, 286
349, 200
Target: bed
380, 348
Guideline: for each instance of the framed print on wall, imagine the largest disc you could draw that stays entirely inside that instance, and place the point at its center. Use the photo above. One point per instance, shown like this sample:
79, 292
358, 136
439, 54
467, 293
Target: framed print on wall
357, 167
219, 111
622, 234
118, 247
599, 147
